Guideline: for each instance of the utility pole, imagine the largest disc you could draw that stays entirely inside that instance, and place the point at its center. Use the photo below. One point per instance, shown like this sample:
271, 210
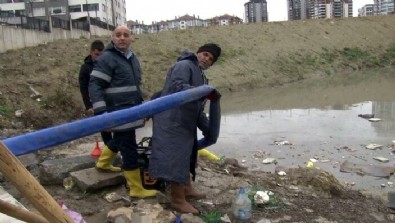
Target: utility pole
89, 18
107, 16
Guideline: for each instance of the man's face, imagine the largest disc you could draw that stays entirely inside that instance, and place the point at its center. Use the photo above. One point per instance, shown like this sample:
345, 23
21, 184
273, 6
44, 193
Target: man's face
205, 60
122, 38
96, 53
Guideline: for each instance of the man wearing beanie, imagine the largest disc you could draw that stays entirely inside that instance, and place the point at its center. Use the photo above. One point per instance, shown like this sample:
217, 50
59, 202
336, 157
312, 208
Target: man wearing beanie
174, 138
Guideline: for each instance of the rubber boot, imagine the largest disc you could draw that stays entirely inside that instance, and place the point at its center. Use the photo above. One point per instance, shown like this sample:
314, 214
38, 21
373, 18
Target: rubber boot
104, 163
178, 201
191, 193
136, 189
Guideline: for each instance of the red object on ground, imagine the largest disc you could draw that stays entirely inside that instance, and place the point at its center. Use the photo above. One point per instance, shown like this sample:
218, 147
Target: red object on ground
96, 152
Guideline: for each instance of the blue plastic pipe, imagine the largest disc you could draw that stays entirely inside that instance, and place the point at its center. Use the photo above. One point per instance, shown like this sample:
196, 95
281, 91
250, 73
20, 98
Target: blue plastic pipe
56, 135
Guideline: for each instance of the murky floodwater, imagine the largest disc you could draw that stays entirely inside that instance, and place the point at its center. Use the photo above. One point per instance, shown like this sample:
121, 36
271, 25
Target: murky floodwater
321, 122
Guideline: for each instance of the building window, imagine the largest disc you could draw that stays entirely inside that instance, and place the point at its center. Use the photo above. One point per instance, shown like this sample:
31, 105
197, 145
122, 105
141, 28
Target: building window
90, 7
57, 10
39, 11
75, 8
18, 1
20, 12
5, 1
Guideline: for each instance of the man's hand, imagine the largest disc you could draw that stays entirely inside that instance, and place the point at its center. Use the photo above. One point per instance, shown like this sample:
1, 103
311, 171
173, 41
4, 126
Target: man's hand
214, 95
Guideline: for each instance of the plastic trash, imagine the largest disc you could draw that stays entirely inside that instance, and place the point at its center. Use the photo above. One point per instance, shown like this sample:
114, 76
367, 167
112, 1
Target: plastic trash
208, 154
68, 183
75, 216
241, 207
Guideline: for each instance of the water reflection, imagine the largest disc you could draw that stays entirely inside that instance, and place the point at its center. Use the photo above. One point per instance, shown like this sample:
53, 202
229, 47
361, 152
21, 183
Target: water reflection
386, 112
339, 121
314, 132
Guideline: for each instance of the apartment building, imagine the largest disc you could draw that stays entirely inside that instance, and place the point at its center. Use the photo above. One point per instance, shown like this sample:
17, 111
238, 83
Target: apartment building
256, 11
225, 20
324, 9
366, 10
109, 11
185, 22
297, 9
384, 7
341, 8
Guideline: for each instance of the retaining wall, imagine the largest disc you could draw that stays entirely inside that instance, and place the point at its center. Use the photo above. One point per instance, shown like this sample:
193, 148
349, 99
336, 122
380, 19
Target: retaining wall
17, 38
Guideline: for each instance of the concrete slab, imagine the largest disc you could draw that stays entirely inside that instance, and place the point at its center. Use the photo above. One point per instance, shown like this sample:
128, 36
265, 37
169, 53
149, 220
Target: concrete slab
91, 179
54, 171
5, 196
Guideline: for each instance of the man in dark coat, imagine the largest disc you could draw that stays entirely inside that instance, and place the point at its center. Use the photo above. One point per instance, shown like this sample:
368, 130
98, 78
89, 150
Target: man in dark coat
97, 47
174, 139
115, 85
104, 162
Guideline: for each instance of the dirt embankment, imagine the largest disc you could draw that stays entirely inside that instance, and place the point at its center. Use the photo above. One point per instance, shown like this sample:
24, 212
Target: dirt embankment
254, 55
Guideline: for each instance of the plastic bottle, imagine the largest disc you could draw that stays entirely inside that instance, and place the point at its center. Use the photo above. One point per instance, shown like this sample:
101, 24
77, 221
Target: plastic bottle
241, 207
68, 183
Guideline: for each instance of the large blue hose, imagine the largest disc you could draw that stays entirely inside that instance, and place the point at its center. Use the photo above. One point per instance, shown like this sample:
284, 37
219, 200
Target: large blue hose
56, 135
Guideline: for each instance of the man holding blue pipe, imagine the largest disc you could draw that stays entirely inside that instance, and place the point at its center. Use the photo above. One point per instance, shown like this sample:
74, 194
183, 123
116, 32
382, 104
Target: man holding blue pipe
115, 85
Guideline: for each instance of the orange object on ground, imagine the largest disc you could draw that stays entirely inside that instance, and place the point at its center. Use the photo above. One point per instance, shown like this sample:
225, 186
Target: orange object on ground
96, 152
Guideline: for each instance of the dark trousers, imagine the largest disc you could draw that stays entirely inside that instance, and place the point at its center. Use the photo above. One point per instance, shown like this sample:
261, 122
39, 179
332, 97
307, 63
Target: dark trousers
107, 136
125, 142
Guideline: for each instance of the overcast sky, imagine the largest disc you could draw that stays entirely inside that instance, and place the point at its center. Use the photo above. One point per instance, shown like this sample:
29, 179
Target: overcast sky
158, 10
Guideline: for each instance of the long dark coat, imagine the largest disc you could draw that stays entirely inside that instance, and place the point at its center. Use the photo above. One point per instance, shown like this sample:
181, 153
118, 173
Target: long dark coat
174, 138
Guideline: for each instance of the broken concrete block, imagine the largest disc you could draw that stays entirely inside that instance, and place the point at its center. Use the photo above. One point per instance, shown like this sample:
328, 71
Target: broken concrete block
92, 179
54, 171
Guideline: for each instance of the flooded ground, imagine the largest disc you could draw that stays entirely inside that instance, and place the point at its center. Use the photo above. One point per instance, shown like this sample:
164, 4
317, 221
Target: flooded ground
320, 120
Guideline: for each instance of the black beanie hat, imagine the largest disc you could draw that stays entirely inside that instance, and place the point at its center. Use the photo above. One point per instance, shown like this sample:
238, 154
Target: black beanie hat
212, 48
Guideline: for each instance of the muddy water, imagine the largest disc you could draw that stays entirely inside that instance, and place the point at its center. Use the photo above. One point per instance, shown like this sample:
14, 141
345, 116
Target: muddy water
319, 119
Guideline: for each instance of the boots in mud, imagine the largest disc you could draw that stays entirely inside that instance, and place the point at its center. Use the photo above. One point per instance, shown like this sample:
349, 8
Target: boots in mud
191, 193
136, 189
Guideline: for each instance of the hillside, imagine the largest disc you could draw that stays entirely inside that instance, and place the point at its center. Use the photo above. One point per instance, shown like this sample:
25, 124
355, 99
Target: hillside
254, 55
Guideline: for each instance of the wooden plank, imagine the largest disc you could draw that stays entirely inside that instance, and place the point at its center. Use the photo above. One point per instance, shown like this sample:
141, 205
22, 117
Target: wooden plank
29, 187
20, 213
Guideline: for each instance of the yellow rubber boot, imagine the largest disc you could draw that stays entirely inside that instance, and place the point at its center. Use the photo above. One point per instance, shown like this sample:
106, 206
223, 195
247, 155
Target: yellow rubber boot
105, 161
208, 154
136, 189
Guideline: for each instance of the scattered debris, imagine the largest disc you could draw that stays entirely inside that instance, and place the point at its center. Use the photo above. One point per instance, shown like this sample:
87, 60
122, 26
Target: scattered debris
374, 146
261, 197
19, 113
68, 183
269, 161
366, 116
35, 94
225, 218
282, 173
75, 216
381, 159
112, 197
347, 148
374, 119
282, 143
366, 169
